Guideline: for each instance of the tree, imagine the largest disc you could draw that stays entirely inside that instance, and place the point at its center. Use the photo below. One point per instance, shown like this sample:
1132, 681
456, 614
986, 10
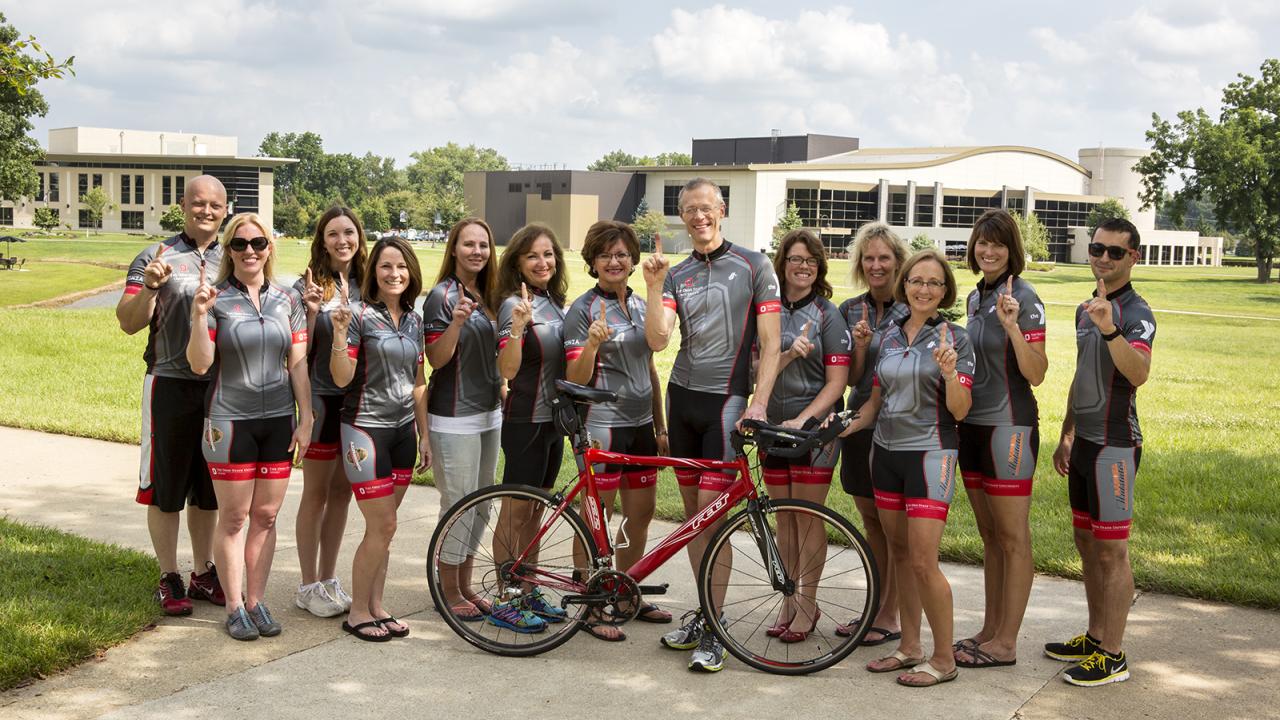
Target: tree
1035, 236
97, 203
292, 217
614, 160
373, 215
789, 221
436, 175
647, 223
673, 158
46, 218
1108, 209
921, 242
173, 220
307, 147
19, 102
1233, 162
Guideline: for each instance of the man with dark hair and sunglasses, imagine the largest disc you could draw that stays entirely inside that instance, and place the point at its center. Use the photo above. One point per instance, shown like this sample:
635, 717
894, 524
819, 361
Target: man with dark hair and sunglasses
1100, 449
158, 291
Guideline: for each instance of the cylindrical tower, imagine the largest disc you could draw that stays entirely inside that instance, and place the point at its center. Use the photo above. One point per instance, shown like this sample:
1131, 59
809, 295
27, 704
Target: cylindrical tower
1114, 176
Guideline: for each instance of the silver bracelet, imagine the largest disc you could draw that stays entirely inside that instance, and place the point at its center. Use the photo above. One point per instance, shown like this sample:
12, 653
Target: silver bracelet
338, 351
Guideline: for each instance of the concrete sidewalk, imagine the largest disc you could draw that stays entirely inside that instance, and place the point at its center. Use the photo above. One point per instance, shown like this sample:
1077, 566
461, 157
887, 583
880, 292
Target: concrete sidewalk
1189, 658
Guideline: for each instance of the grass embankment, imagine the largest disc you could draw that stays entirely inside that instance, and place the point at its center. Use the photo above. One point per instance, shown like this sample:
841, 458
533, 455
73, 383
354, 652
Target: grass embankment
1207, 517
63, 598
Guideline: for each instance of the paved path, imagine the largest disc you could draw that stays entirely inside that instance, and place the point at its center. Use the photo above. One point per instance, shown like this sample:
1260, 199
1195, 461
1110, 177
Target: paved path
1191, 659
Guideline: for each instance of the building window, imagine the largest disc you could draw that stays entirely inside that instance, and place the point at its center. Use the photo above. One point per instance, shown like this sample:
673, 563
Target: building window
513, 187
1059, 216
139, 198
671, 200
97, 180
963, 211
924, 210
724, 192
898, 209
86, 221
806, 202
53, 187
6, 216
124, 189
131, 219
179, 187
545, 190
166, 191
83, 185
40, 192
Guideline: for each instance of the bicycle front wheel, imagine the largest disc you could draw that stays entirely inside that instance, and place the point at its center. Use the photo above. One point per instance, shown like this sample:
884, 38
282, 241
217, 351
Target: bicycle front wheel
830, 585
474, 553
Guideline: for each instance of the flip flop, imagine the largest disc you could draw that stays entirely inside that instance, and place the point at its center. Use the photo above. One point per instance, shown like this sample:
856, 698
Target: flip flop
484, 606
937, 677
885, 636
964, 645
980, 658
460, 611
651, 613
593, 630
355, 630
390, 631
903, 661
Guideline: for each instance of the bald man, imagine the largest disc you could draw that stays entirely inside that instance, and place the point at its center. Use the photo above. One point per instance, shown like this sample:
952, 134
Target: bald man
157, 296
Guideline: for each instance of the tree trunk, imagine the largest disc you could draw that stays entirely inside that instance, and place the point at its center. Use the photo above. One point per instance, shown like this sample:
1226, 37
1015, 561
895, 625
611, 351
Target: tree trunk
1264, 267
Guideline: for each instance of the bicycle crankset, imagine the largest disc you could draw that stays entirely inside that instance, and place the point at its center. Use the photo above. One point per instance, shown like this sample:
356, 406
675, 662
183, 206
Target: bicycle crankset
620, 597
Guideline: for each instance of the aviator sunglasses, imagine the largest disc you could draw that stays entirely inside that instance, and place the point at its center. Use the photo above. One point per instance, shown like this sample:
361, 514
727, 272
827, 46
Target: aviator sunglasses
1115, 252
239, 244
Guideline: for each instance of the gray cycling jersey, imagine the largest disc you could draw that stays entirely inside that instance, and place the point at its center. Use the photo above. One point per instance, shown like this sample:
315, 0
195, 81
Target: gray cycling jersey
251, 374
801, 380
170, 326
913, 408
1001, 395
321, 337
717, 298
622, 361
387, 359
530, 392
1103, 400
880, 317
469, 383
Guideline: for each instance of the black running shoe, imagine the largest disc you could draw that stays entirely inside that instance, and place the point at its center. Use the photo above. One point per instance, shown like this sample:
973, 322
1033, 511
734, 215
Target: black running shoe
1100, 668
1077, 649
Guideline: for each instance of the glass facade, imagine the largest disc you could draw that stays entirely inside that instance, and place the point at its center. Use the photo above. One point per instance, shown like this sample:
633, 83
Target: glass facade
961, 211
924, 210
1058, 216
131, 219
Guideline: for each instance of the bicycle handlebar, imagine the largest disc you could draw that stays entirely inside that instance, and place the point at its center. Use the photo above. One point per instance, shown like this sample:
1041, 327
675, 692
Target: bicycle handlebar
787, 442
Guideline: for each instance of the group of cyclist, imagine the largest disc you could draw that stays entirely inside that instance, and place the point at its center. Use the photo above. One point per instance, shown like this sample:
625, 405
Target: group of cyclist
343, 351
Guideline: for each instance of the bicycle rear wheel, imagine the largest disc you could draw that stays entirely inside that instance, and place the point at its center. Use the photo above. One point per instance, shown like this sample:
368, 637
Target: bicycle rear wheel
832, 579
485, 527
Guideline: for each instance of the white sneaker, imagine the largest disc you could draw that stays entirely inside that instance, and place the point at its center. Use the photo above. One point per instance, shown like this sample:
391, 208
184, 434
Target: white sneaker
337, 593
315, 599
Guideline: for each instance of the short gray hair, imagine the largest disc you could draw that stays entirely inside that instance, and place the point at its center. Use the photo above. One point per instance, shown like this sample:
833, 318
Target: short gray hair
694, 184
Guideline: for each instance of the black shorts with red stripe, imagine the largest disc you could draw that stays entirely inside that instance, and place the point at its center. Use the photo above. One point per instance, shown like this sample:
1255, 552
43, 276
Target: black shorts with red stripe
632, 441
919, 482
378, 460
173, 473
256, 449
1100, 482
999, 459
325, 433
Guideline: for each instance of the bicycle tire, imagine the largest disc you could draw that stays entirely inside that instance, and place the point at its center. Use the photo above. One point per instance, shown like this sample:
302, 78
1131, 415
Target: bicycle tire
450, 532
751, 603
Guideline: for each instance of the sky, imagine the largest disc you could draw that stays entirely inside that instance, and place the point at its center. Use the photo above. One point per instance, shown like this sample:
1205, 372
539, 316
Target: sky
562, 82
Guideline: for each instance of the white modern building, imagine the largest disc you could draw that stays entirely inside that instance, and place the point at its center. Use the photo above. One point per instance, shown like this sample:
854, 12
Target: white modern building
837, 186
143, 172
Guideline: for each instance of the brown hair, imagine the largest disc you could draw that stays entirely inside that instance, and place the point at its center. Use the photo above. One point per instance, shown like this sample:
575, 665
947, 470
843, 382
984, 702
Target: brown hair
900, 285
999, 227
485, 278
509, 277
318, 264
815, 249
369, 286
227, 266
602, 235
874, 231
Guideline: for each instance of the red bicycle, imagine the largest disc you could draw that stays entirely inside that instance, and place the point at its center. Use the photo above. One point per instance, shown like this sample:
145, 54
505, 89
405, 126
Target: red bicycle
750, 568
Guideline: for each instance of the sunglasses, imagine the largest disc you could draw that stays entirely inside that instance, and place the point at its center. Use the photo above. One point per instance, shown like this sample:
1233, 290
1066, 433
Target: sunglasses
1115, 252
240, 244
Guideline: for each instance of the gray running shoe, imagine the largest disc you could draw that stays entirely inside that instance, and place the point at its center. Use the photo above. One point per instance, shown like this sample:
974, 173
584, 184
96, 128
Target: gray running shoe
316, 599
710, 655
267, 625
240, 627
334, 587
686, 636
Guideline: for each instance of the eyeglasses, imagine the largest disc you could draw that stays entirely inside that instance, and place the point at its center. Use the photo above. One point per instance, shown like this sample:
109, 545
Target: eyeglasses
1115, 252
921, 282
618, 257
798, 260
239, 244
693, 212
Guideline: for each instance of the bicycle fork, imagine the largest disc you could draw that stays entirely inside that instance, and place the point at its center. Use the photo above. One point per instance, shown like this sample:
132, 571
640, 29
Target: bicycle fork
767, 543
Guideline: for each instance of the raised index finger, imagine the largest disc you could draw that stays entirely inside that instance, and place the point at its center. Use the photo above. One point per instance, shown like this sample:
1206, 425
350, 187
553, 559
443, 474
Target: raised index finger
866, 313
1009, 287
603, 321
524, 292
1102, 289
657, 244
308, 276
160, 252
202, 280
946, 332
804, 331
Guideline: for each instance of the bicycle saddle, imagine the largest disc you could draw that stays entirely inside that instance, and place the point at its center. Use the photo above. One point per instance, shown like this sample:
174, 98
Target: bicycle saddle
582, 393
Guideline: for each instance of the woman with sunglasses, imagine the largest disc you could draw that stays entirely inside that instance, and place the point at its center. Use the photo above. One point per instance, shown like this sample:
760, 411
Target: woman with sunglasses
605, 348
337, 251
465, 417
1000, 437
812, 374
257, 344
377, 357
919, 391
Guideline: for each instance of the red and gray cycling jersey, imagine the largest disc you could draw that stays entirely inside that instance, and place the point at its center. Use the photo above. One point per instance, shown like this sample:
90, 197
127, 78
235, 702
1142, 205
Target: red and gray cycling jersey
321, 338
170, 326
387, 359
251, 373
1001, 395
1103, 400
717, 298
468, 384
529, 394
880, 316
913, 397
622, 361
801, 380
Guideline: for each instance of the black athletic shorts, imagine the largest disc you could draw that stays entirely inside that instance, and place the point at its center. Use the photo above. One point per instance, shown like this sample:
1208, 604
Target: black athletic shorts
919, 482
1100, 482
249, 449
532, 453
999, 460
173, 473
855, 464
633, 441
325, 434
377, 460
699, 424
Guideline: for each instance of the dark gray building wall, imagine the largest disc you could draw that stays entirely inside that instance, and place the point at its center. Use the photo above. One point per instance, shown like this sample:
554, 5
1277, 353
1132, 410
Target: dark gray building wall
619, 194
780, 149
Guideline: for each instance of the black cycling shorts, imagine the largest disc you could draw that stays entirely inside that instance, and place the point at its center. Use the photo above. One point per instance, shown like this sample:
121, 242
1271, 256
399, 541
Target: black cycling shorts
532, 453
855, 464
699, 424
1100, 482
919, 482
173, 473
255, 449
633, 441
999, 460
325, 433
377, 460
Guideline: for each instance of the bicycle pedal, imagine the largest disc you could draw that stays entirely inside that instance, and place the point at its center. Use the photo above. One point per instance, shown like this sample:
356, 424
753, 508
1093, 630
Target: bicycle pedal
654, 589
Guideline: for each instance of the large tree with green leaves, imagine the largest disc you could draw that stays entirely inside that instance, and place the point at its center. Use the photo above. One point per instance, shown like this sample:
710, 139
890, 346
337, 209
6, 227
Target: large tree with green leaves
621, 158
23, 63
436, 175
1108, 209
1232, 161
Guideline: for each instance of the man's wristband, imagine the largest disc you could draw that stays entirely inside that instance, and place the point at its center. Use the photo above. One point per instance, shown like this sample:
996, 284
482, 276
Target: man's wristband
1115, 333
152, 289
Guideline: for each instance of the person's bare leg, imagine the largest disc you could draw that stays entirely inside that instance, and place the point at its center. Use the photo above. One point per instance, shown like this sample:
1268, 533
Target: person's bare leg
235, 497
163, 528
260, 541
1013, 536
812, 556
895, 530
789, 549
1093, 590
333, 523
924, 535
1116, 577
992, 565
306, 528
200, 526
379, 527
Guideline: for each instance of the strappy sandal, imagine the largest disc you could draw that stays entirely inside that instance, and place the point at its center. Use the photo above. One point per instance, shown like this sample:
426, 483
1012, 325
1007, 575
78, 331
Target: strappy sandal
937, 677
904, 662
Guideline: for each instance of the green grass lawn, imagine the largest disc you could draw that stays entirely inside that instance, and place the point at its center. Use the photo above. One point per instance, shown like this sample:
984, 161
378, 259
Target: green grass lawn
63, 598
44, 280
1207, 514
